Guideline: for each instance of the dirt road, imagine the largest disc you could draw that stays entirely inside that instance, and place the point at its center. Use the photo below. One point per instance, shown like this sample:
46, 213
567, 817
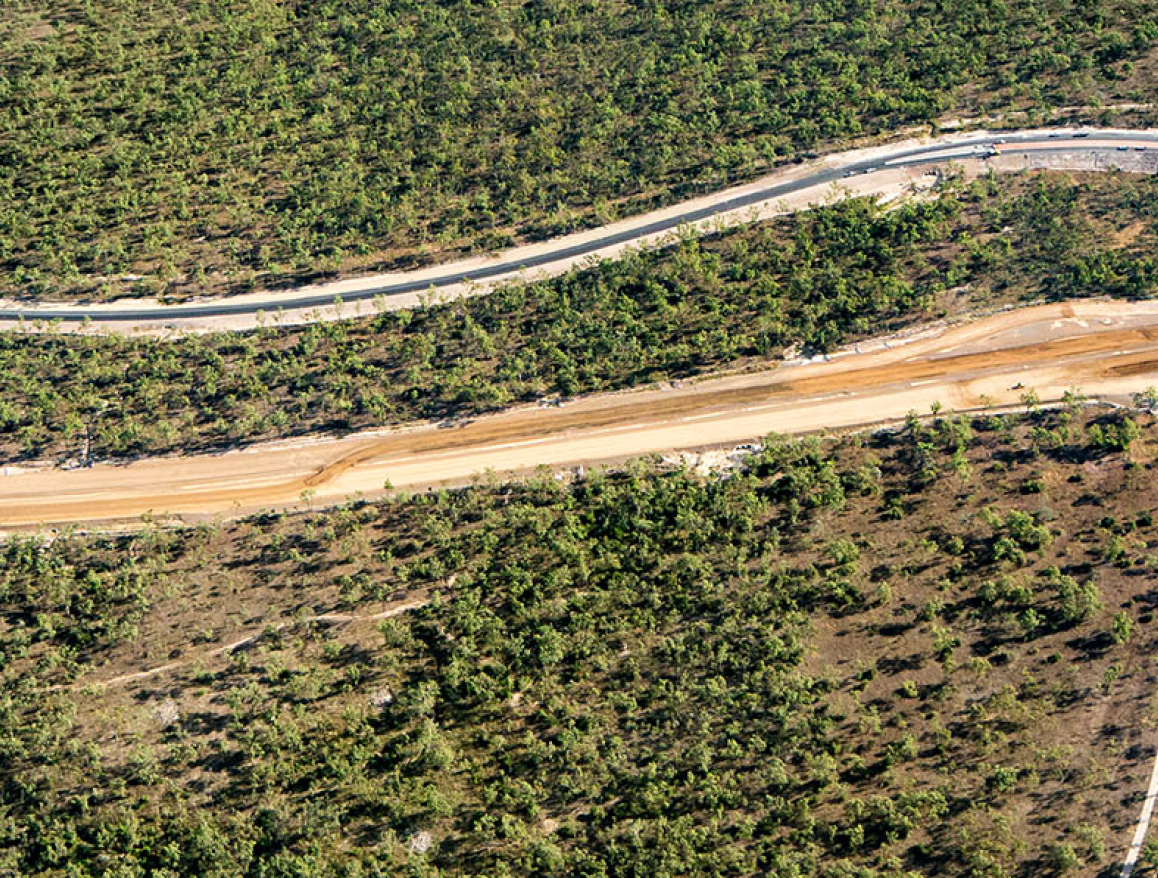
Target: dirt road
1102, 348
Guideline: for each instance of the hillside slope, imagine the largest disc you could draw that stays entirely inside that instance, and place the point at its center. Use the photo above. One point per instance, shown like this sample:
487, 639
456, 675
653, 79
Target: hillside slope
927, 652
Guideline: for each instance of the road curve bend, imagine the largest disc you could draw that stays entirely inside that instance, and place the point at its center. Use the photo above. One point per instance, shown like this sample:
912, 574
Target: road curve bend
872, 171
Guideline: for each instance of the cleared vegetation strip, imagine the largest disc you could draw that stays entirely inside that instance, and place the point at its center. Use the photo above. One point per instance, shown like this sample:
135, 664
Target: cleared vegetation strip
985, 369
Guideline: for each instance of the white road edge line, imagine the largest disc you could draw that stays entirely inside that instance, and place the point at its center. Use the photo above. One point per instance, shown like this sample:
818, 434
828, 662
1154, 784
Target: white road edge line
1143, 823
533, 261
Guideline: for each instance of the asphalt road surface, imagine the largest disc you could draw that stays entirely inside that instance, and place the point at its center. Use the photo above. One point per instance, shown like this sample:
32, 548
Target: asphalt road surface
857, 169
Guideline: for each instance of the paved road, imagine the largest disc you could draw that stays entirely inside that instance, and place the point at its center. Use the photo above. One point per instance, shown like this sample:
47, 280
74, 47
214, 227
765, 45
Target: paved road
856, 166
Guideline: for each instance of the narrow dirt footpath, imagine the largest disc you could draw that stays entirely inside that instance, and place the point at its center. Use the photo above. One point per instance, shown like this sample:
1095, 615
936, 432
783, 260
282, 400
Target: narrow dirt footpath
329, 618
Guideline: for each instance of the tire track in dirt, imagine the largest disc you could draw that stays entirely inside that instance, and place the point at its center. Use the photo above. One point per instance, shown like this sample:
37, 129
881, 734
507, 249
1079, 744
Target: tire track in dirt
966, 366
533, 425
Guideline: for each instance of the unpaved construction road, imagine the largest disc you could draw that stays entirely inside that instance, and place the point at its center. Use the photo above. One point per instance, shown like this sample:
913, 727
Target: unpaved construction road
1102, 348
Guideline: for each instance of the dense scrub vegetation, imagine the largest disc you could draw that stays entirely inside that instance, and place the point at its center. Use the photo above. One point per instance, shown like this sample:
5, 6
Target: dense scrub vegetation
927, 652
740, 297
180, 146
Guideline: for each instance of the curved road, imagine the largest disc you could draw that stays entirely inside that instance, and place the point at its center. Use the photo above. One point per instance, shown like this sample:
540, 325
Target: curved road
859, 169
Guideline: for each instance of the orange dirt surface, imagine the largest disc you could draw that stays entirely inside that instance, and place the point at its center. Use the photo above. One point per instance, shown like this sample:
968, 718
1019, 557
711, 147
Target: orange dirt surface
1101, 348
